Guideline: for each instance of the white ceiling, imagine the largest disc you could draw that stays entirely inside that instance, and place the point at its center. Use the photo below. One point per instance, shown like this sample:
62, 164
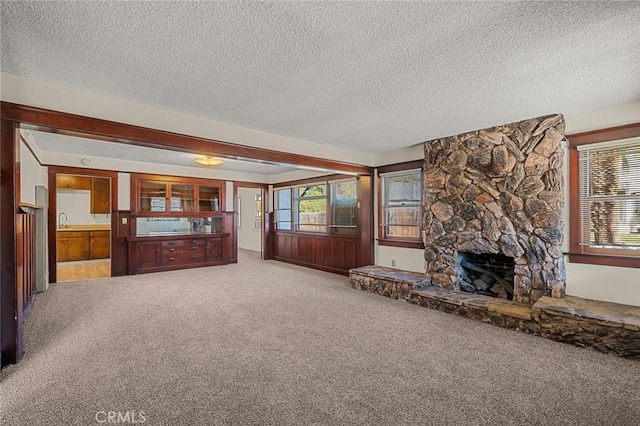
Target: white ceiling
94, 150
367, 76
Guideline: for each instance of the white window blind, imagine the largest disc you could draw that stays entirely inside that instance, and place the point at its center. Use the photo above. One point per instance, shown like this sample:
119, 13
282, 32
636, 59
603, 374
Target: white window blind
609, 177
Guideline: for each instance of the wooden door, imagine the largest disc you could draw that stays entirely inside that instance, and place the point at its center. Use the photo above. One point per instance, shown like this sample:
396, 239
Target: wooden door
73, 182
100, 195
100, 245
149, 254
72, 245
213, 249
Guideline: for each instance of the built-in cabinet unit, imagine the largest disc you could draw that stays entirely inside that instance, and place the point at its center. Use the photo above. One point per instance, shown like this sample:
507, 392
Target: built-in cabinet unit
75, 245
100, 188
177, 223
153, 197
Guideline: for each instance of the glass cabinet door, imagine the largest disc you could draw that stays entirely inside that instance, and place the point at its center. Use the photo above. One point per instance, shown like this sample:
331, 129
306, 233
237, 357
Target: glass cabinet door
182, 197
209, 198
153, 196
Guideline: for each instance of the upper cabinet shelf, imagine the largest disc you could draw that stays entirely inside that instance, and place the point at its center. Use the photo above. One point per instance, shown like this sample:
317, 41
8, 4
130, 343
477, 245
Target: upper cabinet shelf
172, 196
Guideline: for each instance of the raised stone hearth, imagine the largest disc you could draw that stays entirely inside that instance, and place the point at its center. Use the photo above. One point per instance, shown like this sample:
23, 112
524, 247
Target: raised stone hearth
500, 191
607, 327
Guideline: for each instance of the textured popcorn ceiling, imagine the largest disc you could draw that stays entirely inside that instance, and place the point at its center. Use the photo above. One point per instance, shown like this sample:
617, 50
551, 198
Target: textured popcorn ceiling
366, 76
95, 149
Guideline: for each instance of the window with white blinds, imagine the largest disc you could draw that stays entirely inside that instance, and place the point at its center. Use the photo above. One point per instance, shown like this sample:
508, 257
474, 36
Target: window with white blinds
609, 179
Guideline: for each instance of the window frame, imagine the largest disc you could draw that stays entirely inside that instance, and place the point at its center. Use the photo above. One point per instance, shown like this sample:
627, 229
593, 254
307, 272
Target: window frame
329, 226
577, 254
333, 228
403, 242
276, 209
295, 212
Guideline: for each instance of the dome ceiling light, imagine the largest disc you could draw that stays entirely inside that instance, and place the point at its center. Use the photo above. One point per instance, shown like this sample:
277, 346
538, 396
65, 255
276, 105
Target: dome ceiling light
208, 160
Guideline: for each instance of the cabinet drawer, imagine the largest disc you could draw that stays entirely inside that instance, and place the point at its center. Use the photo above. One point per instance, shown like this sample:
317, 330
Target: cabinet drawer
100, 233
182, 249
185, 242
172, 243
182, 257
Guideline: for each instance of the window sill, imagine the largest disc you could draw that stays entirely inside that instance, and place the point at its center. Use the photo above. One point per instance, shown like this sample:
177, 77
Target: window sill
414, 244
605, 260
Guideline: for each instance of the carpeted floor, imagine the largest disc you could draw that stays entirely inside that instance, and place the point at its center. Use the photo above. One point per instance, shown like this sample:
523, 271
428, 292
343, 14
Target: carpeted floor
262, 342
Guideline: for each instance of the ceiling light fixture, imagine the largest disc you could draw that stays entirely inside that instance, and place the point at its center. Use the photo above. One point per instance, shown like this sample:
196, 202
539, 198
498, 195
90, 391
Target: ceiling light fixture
208, 160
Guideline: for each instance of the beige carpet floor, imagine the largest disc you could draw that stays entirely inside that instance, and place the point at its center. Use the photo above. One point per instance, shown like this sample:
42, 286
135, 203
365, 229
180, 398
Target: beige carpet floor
262, 342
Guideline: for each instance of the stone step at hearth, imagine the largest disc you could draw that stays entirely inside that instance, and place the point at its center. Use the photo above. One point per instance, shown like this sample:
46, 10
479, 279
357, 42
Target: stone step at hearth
604, 313
491, 306
604, 326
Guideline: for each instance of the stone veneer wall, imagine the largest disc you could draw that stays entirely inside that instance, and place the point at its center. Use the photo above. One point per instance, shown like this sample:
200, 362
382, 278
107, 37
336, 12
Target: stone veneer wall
498, 190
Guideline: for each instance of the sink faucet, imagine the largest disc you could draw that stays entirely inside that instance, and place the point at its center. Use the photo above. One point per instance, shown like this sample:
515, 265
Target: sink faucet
66, 219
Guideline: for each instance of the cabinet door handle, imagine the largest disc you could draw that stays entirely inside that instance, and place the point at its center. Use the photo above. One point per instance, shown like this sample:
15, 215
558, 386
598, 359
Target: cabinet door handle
194, 241
172, 249
172, 243
194, 248
171, 259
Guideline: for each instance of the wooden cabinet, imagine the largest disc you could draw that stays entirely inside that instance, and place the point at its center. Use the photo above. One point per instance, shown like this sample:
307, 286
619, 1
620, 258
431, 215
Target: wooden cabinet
182, 251
181, 197
153, 254
100, 195
73, 182
213, 249
165, 196
149, 255
72, 245
100, 244
198, 204
208, 198
83, 245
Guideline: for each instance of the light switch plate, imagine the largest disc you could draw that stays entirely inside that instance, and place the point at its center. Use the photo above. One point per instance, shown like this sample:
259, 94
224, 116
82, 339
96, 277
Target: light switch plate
124, 220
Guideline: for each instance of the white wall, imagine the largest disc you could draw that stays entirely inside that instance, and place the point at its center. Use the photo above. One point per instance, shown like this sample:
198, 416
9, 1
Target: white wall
611, 284
30, 175
76, 204
249, 237
42, 94
124, 191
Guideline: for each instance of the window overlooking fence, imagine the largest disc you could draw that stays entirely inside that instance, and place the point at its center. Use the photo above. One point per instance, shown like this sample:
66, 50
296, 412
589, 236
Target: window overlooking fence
401, 208
344, 207
311, 208
319, 207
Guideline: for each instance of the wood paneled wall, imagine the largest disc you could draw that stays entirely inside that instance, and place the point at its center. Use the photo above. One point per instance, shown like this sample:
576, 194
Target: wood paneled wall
323, 252
26, 259
119, 249
330, 253
11, 343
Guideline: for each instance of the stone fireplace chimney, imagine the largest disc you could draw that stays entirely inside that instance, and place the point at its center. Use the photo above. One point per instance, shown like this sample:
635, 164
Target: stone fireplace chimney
497, 191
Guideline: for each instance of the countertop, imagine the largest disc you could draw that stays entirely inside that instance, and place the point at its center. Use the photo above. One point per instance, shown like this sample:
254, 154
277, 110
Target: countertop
85, 228
173, 235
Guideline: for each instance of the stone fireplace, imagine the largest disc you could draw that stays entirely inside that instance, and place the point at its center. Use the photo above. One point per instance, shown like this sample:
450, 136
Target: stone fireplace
493, 202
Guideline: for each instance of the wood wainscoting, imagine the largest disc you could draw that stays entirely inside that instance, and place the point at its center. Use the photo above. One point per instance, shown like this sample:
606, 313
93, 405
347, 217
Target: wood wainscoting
331, 253
322, 252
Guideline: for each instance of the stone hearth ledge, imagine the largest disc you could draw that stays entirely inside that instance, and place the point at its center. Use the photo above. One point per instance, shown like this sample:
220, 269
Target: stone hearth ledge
604, 326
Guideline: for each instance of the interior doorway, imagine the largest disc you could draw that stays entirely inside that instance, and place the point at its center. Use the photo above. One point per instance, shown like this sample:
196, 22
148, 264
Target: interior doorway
81, 221
250, 219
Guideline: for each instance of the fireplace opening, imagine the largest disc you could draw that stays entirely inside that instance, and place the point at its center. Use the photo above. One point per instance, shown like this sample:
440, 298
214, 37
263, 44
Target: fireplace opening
489, 274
